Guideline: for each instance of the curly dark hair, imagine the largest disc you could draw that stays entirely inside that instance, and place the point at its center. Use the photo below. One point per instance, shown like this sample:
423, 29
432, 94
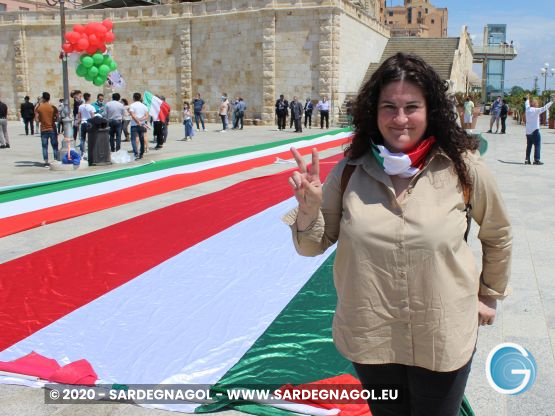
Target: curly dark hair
451, 138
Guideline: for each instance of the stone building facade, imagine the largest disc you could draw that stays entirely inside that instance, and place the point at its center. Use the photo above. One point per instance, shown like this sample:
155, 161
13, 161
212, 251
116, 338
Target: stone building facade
256, 49
416, 18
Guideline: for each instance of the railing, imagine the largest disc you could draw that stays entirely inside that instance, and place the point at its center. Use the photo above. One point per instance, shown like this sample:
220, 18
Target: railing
494, 50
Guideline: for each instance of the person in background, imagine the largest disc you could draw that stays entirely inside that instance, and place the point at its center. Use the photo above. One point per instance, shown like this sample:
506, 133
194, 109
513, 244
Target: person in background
114, 111
27, 111
324, 107
46, 115
188, 122
308, 107
410, 298
240, 109
77, 101
503, 114
223, 112
60, 124
533, 137
139, 115
468, 112
4, 138
37, 123
198, 106
99, 104
234, 111
282, 107
297, 114
86, 112
495, 115
126, 119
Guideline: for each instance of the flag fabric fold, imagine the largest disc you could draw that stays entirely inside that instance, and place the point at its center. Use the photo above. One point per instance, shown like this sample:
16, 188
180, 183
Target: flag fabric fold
158, 109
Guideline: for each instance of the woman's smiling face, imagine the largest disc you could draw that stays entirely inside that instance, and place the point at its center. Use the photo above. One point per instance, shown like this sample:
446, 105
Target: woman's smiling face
402, 116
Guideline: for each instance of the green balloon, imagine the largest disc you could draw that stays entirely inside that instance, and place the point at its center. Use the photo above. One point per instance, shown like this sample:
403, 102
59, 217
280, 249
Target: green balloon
107, 60
88, 77
93, 71
98, 81
113, 66
98, 58
103, 70
87, 61
81, 70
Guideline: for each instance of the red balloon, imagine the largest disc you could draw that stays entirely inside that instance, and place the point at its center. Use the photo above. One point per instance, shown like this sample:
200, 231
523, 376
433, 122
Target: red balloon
72, 37
79, 28
102, 47
110, 37
83, 44
67, 47
102, 29
89, 29
91, 50
93, 40
108, 24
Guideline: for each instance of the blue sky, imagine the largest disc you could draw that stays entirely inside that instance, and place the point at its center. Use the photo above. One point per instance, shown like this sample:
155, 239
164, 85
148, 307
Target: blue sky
530, 24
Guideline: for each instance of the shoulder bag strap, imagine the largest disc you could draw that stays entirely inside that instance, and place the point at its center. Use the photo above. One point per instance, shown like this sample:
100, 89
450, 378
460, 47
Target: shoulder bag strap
468, 210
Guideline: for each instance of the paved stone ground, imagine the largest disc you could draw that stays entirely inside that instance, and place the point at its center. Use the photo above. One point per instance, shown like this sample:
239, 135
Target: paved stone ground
527, 317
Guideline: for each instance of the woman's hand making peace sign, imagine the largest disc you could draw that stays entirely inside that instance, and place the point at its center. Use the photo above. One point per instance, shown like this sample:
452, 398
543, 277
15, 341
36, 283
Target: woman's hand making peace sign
307, 188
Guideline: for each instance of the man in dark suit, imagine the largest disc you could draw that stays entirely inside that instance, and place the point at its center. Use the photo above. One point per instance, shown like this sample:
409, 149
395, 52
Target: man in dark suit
28, 114
281, 111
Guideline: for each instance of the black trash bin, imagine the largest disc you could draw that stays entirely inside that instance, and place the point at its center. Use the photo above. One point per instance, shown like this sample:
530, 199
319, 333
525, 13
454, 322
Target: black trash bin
98, 134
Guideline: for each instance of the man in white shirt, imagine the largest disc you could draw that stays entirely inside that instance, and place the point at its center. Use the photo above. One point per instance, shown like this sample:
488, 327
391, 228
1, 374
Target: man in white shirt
86, 111
139, 115
324, 107
113, 111
533, 137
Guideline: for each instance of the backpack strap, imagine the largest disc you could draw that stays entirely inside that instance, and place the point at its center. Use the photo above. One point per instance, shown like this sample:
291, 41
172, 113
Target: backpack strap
468, 210
345, 177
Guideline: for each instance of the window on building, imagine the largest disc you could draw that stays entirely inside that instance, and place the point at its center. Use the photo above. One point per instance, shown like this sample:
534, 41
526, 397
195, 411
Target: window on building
419, 14
391, 13
433, 21
426, 11
409, 15
2, 7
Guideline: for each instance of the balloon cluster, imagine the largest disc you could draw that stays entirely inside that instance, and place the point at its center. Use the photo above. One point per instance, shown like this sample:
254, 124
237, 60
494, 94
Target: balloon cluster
90, 42
96, 67
90, 38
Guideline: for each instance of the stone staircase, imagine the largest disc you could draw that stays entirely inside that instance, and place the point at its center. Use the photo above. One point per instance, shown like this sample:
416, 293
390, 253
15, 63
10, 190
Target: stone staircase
438, 52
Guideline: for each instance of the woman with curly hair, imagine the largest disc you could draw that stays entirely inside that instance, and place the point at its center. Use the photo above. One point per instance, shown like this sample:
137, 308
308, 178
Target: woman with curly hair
410, 297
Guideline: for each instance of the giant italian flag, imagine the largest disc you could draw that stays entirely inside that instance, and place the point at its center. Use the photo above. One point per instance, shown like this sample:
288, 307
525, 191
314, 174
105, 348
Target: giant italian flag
207, 291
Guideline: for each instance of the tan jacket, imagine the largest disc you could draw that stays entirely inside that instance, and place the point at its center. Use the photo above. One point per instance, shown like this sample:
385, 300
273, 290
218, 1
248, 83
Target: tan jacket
406, 280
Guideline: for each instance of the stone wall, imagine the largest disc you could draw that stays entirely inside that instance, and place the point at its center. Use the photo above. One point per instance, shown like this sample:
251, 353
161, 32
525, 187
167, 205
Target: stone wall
461, 71
360, 45
253, 48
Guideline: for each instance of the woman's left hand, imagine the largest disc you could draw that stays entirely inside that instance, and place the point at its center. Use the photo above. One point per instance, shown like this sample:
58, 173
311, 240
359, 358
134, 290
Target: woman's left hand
486, 309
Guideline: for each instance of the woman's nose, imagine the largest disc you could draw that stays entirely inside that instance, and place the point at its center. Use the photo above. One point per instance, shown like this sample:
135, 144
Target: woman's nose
400, 116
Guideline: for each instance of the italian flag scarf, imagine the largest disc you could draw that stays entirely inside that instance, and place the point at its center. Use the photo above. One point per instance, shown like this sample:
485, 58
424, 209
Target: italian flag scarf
404, 165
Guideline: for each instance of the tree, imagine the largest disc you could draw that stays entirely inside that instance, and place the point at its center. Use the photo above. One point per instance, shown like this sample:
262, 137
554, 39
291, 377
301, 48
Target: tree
517, 90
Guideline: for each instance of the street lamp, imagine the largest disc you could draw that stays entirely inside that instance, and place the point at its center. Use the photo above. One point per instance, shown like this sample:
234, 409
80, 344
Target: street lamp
546, 73
66, 114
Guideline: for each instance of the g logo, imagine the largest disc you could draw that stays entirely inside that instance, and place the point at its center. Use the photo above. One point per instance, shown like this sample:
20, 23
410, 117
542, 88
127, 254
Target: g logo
510, 369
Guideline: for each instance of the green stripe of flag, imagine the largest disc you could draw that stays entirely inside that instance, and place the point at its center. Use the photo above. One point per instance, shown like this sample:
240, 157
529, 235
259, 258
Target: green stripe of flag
31, 190
296, 348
